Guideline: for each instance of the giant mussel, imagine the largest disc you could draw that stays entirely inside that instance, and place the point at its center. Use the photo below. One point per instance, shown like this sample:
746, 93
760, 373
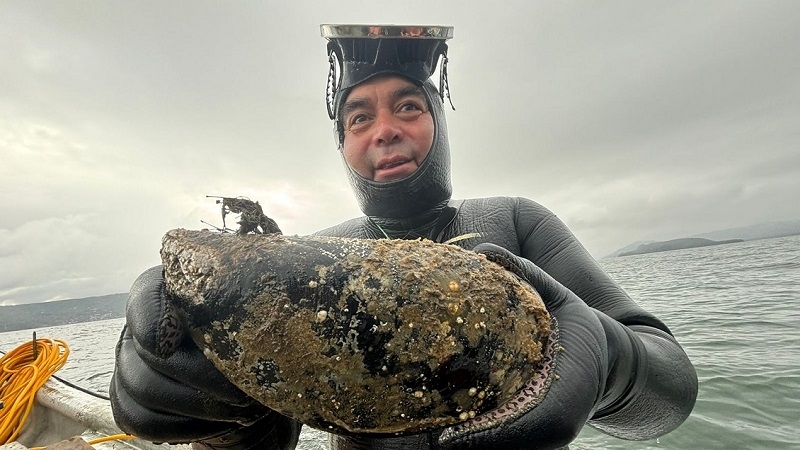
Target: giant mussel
354, 335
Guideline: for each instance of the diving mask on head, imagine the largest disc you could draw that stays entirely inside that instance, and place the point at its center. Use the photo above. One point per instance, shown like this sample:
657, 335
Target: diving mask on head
359, 52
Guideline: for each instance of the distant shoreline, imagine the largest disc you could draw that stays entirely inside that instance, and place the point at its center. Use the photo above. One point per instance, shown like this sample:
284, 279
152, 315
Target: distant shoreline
765, 230
62, 312
676, 244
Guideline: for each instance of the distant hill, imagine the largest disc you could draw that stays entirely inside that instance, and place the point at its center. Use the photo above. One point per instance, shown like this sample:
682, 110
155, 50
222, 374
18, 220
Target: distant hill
628, 248
62, 312
676, 244
766, 230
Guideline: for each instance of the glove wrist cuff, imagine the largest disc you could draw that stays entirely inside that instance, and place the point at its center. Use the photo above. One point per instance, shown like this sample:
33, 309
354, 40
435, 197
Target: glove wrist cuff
653, 405
627, 367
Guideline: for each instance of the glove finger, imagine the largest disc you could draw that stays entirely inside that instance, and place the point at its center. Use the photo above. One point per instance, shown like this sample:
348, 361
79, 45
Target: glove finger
499, 255
189, 366
157, 426
150, 317
155, 391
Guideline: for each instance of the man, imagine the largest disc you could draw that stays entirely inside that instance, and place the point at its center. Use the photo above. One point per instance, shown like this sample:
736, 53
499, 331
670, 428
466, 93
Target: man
618, 367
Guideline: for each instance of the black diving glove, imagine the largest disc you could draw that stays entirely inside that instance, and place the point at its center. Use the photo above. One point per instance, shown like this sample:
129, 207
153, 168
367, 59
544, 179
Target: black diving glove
550, 413
164, 389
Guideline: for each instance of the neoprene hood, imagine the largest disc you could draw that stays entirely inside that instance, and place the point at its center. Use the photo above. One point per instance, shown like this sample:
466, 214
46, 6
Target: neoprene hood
359, 52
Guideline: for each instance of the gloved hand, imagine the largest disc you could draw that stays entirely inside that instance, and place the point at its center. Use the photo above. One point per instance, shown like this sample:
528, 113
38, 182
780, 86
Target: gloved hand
548, 418
164, 389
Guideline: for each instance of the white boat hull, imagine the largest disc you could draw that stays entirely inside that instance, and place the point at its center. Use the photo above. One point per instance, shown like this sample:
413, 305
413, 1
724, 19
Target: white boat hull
61, 412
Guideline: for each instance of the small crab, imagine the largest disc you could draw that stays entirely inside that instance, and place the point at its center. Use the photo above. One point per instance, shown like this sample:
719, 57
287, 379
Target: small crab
251, 217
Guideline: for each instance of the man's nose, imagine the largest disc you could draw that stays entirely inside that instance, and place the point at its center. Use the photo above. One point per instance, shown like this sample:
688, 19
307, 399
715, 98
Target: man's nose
387, 129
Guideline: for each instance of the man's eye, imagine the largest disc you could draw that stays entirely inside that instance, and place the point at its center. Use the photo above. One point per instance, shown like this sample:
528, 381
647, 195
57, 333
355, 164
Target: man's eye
357, 118
410, 107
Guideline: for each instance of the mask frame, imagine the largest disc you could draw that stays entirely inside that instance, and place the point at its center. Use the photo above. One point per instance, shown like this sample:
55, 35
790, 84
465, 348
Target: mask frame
359, 52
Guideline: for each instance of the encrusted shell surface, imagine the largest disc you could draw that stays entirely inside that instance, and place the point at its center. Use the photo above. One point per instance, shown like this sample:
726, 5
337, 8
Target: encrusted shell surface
358, 336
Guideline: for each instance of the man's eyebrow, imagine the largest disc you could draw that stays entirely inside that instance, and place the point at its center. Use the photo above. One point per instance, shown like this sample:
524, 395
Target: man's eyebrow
353, 104
410, 91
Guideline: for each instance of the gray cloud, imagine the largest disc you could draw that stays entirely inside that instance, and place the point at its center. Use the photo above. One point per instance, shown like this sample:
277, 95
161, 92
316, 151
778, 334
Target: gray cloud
630, 120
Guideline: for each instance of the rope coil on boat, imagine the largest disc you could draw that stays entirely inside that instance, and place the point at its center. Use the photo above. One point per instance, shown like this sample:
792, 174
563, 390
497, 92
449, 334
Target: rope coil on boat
22, 372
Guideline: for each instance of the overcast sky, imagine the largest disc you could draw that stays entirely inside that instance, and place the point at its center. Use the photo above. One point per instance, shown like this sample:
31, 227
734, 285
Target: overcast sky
631, 120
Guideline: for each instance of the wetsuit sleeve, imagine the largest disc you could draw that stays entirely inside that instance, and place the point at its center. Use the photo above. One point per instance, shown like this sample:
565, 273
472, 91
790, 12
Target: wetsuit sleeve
651, 386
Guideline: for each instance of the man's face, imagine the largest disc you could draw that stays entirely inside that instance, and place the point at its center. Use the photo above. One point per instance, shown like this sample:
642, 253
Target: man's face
388, 128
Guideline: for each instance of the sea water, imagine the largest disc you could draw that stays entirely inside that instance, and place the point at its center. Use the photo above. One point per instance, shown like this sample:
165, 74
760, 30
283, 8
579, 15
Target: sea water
735, 309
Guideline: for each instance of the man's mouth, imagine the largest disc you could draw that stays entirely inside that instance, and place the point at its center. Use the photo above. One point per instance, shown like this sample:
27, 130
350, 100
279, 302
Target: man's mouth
393, 168
391, 164
392, 161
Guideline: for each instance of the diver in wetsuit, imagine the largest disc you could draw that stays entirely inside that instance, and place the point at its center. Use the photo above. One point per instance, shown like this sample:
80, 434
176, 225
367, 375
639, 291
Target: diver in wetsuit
620, 370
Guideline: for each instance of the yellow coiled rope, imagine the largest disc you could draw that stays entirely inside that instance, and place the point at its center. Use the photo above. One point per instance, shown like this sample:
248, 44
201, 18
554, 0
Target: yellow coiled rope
22, 372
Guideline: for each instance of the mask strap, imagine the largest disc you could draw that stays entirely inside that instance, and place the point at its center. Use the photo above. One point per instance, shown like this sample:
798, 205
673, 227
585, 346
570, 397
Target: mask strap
333, 84
444, 86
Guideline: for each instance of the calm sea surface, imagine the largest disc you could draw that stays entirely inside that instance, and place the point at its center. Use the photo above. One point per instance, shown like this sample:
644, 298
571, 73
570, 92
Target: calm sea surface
735, 309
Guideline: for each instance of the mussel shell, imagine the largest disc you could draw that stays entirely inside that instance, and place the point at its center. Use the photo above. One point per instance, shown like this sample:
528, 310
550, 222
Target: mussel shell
357, 336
